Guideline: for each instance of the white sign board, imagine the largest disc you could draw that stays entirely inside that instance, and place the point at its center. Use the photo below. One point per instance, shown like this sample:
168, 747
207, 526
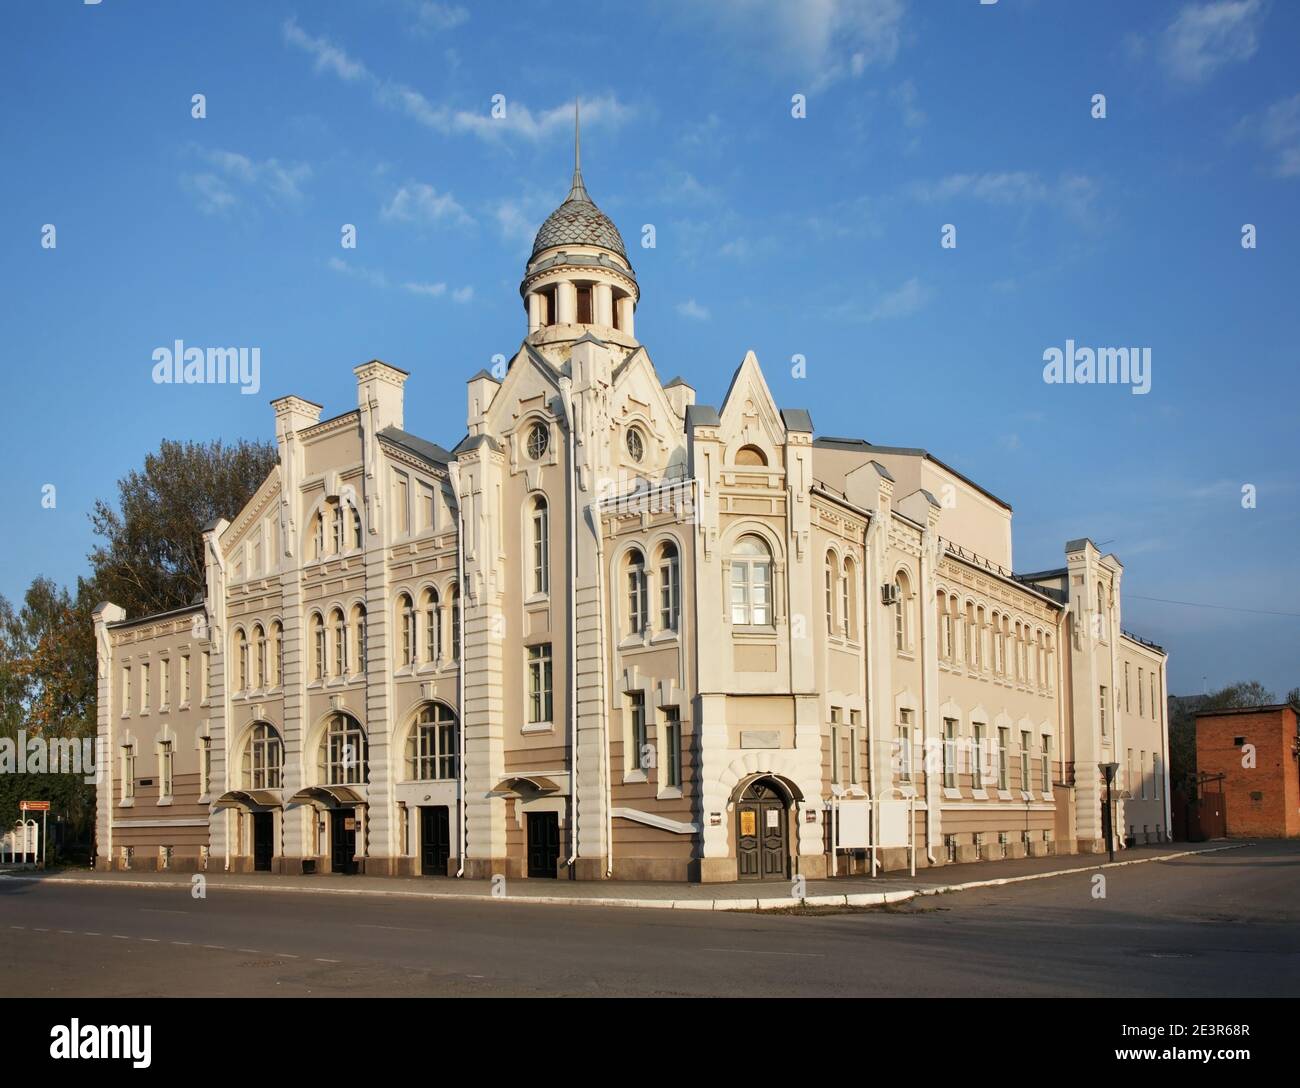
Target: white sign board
894, 819
853, 831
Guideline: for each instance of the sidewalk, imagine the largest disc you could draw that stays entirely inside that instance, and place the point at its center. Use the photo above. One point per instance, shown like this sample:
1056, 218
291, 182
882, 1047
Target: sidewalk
844, 891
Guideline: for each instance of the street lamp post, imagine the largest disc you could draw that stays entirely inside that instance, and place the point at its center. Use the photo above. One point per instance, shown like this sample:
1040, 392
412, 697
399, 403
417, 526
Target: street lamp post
1109, 769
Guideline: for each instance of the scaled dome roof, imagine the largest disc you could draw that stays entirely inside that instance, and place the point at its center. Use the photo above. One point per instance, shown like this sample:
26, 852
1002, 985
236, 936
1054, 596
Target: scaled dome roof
578, 222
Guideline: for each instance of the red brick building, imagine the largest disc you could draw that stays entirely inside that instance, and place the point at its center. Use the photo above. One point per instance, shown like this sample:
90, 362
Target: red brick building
1257, 750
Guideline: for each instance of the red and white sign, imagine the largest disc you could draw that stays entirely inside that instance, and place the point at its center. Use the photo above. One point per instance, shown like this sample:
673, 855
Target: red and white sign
34, 806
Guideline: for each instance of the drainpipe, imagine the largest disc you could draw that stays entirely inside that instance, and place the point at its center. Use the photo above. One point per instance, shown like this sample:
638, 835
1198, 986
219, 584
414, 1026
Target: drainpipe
453, 472
1062, 648
566, 397
923, 612
604, 694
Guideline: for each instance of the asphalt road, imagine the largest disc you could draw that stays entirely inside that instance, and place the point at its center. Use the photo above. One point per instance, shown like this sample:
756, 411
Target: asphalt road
1220, 925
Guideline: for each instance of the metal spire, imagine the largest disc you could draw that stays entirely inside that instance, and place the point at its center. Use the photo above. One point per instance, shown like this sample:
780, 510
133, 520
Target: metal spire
578, 191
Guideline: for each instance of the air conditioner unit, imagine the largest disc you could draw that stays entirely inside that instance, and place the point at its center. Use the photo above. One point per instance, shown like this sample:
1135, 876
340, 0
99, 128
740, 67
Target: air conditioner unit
889, 593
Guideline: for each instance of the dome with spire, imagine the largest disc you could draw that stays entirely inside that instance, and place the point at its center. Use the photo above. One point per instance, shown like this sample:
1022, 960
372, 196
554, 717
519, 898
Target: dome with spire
578, 222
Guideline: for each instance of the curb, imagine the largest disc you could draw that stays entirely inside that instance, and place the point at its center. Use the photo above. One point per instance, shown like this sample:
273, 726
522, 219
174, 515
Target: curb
1081, 869
846, 899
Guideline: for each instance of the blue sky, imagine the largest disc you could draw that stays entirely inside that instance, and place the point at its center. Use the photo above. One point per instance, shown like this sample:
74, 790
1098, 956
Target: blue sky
817, 236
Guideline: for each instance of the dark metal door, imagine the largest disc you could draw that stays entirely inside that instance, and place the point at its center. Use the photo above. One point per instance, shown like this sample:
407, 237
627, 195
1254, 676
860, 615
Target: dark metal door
343, 840
761, 851
263, 841
543, 843
435, 840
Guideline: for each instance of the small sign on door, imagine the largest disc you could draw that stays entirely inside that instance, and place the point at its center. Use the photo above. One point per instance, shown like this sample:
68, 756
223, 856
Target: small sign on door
772, 819
349, 824
749, 822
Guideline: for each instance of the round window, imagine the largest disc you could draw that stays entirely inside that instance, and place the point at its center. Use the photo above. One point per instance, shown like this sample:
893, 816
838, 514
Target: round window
538, 438
635, 444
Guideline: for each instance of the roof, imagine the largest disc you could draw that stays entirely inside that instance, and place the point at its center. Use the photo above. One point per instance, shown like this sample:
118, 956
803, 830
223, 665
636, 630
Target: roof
679, 380
1271, 708
830, 442
702, 415
156, 615
473, 441
428, 451
578, 221
797, 419
484, 374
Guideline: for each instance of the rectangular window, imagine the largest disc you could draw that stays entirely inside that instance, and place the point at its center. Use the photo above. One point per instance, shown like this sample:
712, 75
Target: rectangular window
1045, 772
636, 599
428, 508
204, 669
1154, 702
541, 548
126, 689
320, 650
128, 772
977, 758
1128, 774
672, 747
905, 745
1141, 702
950, 753
205, 766
1126, 702
636, 711
539, 683
1142, 770
835, 745
1025, 761
1002, 759
144, 687
185, 679
164, 683
1157, 772
854, 724
165, 770
1102, 704
846, 603
402, 504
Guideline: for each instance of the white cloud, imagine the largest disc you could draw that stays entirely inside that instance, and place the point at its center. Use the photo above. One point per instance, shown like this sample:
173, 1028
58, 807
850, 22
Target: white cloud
215, 189
432, 290
818, 40
1281, 132
416, 202
376, 278
433, 16
904, 301
692, 309
1074, 193
904, 97
463, 294
1205, 37
518, 121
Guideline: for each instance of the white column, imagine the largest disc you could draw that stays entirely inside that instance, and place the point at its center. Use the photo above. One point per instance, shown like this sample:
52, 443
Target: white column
534, 311
567, 296
603, 298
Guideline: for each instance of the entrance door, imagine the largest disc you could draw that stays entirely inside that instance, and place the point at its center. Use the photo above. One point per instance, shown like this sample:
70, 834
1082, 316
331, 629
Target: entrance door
263, 841
435, 840
343, 840
761, 850
543, 843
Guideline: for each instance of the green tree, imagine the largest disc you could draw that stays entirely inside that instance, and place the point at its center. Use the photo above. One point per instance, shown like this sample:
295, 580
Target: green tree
151, 558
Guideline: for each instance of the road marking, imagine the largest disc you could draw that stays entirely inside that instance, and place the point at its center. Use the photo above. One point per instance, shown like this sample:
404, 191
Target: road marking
151, 940
119, 937
322, 959
17, 927
185, 943
159, 910
40, 929
216, 946
251, 951
764, 952
71, 932
402, 929
286, 955
87, 933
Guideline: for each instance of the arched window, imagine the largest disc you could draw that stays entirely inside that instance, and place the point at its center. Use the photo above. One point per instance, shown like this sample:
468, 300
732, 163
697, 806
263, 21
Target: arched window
343, 758
263, 758
828, 577
277, 654
431, 747
945, 625
455, 623
972, 638
431, 606
406, 625
241, 656
318, 646
637, 604
539, 528
259, 655
848, 597
317, 536
750, 455
670, 587
340, 634
359, 637
751, 583
356, 527
902, 607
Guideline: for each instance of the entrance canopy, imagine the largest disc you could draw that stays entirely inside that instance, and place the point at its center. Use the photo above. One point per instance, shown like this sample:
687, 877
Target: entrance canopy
254, 798
328, 796
521, 786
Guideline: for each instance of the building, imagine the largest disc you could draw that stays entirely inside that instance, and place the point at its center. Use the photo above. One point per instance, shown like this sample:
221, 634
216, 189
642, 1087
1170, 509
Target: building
1257, 751
615, 632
